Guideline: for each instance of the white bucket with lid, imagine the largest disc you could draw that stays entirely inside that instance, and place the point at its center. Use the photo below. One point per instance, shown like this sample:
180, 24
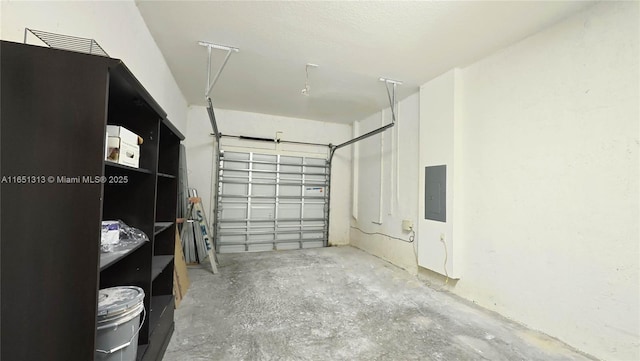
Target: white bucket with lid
118, 323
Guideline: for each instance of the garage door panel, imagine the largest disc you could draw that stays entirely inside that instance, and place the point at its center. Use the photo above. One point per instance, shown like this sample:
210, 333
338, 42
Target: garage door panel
231, 189
236, 156
234, 212
265, 176
290, 172
287, 211
232, 239
313, 177
271, 202
266, 190
236, 174
227, 248
230, 227
268, 226
314, 244
237, 164
288, 237
314, 225
315, 161
262, 211
314, 210
312, 235
260, 247
256, 238
284, 246
290, 190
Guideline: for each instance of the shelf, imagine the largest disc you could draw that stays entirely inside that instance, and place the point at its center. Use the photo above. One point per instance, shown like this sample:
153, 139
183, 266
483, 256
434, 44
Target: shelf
107, 259
141, 350
159, 227
122, 166
158, 307
164, 175
159, 264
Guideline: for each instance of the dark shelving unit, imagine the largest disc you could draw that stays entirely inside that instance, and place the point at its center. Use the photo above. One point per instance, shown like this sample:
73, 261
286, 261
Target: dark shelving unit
107, 259
160, 263
166, 175
108, 164
142, 349
55, 105
158, 308
162, 226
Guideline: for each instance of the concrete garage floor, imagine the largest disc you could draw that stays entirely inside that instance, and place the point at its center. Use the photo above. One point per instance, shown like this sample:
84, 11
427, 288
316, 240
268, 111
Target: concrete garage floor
339, 303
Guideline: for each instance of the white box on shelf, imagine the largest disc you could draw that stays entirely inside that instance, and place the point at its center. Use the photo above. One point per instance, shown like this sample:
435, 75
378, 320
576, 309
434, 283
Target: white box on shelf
122, 152
110, 233
123, 133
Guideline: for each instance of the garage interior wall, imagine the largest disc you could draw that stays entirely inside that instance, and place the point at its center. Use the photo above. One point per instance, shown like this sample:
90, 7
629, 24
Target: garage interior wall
545, 151
200, 151
547, 175
117, 26
394, 154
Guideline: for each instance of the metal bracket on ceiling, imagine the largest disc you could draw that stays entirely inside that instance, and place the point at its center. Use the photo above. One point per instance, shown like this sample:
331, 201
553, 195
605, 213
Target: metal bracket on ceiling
209, 46
392, 97
393, 103
211, 83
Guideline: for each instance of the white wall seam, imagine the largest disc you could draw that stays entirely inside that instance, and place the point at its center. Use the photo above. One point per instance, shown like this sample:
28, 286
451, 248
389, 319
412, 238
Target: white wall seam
392, 170
355, 171
397, 154
381, 191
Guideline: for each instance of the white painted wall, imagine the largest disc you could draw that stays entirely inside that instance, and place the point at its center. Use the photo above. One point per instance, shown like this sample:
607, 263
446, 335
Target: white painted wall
546, 184
399, 163
550, 181
117, 26
200, 153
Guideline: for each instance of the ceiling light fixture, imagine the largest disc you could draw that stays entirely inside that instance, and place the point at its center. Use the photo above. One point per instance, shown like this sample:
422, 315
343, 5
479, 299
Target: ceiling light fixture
307, 88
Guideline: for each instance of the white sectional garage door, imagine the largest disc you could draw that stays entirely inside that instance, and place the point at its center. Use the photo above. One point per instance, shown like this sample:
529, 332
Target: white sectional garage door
271, 202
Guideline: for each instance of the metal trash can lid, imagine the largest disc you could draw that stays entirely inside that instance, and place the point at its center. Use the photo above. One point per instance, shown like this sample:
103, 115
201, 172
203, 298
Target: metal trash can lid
117, 300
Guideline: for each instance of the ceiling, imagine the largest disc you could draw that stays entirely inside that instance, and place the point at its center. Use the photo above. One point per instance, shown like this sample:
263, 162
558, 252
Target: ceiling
354, 44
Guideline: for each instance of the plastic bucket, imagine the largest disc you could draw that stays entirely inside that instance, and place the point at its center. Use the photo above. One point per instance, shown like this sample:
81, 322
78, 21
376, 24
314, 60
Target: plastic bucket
118, 323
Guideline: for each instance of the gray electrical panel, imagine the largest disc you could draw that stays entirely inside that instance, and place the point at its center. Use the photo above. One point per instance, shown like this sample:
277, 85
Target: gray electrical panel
435, 193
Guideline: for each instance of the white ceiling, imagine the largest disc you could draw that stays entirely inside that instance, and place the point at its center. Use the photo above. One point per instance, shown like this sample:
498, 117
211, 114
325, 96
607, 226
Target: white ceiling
354, 43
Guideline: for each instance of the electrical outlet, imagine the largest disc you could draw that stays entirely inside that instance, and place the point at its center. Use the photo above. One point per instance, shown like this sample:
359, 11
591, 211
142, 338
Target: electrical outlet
407, 225
442, 237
